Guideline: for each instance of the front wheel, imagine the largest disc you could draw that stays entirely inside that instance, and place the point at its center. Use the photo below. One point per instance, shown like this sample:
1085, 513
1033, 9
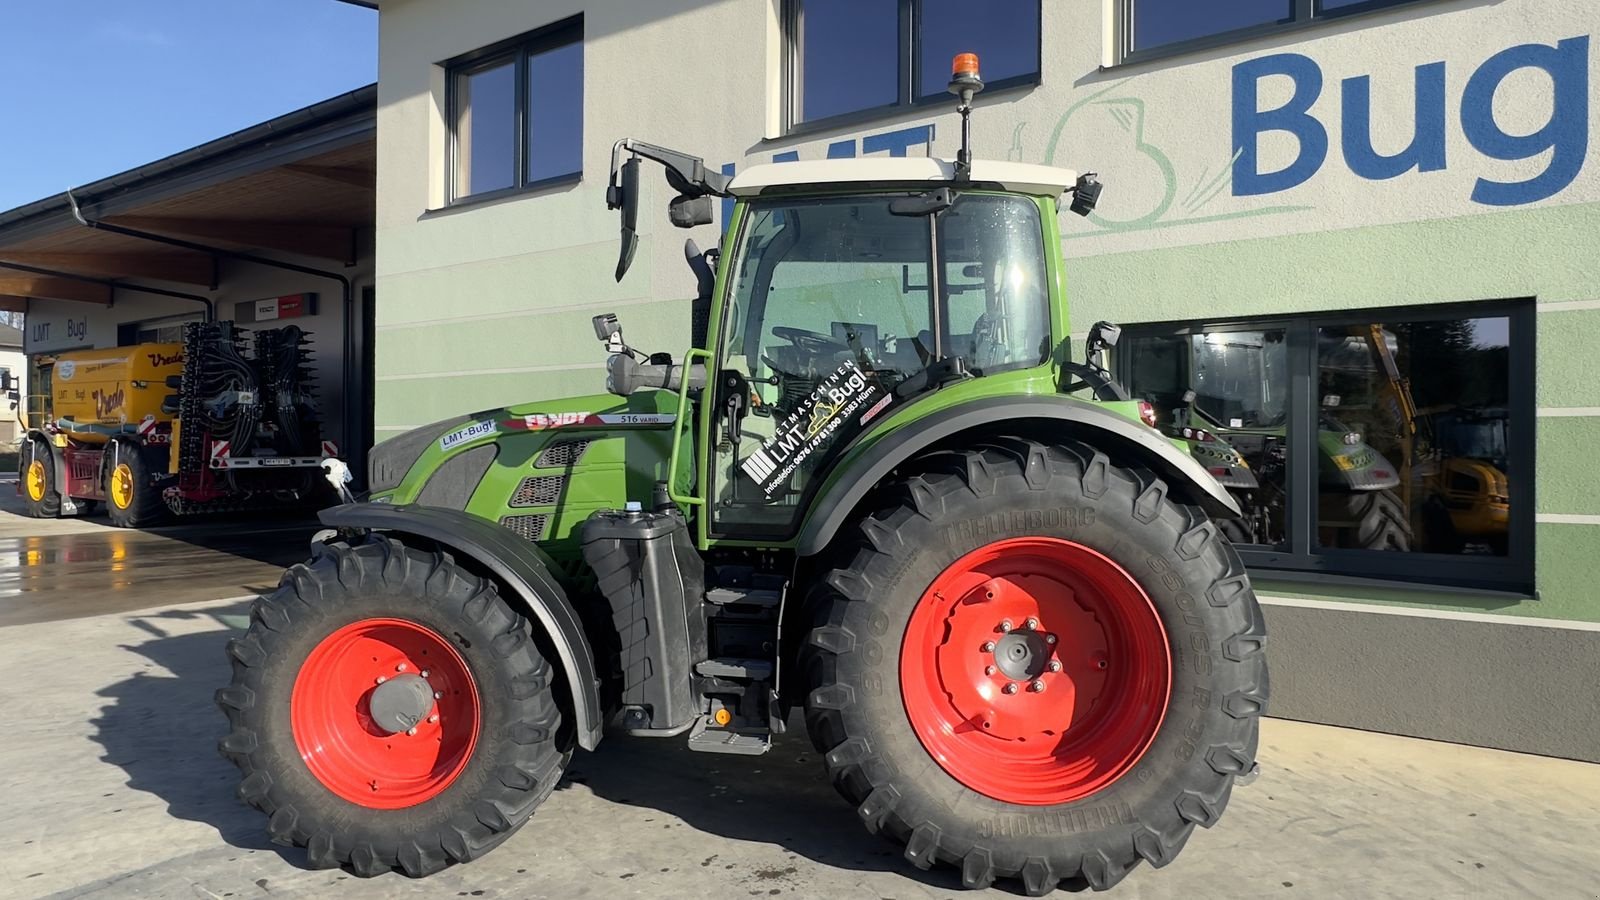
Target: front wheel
390, 711
1035, 664
133, 496
37, 472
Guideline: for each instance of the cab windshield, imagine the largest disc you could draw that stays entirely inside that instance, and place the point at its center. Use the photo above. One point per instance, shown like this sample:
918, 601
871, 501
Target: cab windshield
842, 298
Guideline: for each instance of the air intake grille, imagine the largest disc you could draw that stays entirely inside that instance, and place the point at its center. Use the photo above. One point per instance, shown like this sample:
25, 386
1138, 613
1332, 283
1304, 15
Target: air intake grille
530, 528
559, 456
540, 490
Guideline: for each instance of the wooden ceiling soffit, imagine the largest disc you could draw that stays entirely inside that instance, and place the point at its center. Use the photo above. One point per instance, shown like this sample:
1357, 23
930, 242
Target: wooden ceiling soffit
18, 284
364, 178
333, 242
184, 268
9, 303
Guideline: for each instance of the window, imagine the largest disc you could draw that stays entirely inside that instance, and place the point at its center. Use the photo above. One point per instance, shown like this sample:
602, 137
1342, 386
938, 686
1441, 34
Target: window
844, 286
516, 113
857, 57
1161, 27
1395, 444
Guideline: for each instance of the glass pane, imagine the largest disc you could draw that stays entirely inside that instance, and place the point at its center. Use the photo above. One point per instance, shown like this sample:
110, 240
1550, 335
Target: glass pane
849, 56
1224, 395
997, 315
555, 112
1157, 23
1005, 35
831, 296
486, 129
1412, 436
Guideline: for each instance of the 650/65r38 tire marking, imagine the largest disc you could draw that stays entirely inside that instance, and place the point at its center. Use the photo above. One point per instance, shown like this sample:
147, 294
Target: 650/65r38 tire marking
1035, 671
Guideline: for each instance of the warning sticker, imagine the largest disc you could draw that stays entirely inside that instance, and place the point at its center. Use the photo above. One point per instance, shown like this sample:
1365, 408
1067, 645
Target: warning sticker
810, 427
466, 433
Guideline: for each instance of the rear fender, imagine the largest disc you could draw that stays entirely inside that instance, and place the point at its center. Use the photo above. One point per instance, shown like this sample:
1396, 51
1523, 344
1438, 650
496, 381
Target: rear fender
1127, 442
521, 567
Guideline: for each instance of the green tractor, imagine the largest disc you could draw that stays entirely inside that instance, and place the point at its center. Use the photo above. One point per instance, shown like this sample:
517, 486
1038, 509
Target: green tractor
1018, 639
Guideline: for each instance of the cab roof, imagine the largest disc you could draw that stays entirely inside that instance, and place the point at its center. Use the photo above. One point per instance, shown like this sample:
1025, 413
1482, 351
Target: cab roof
1023, 178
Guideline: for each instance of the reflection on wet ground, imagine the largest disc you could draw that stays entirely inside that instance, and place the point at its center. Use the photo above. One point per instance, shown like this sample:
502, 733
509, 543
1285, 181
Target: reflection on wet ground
64, 576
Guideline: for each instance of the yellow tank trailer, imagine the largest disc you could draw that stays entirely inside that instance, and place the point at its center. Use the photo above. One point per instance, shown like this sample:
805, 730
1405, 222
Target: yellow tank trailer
98, 393
225, 421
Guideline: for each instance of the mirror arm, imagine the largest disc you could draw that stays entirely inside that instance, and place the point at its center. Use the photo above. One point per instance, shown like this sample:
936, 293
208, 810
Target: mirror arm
690, 169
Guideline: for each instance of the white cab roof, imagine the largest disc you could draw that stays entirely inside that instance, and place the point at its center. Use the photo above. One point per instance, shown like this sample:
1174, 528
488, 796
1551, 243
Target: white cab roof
1024, 178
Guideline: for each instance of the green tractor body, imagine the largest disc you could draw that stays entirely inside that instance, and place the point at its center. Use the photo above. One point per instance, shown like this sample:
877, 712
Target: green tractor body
1019, 639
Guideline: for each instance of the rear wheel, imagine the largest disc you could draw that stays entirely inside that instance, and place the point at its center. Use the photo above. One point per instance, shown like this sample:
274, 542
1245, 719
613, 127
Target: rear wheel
1034, 664
36, 470
133, 497
1378, 521
390, 711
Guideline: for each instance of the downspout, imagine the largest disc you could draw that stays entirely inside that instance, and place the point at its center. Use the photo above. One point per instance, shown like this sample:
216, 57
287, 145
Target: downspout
346, 288
211, 312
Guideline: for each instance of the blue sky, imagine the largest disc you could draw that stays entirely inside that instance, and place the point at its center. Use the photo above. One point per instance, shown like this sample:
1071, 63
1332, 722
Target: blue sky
90, 88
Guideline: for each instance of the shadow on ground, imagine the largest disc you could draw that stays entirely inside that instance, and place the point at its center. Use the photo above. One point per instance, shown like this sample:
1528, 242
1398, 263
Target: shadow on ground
162, 730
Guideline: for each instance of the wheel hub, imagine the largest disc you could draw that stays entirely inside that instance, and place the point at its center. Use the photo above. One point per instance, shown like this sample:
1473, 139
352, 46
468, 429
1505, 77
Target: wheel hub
1035, 671
36, 477
400, 703
385, 713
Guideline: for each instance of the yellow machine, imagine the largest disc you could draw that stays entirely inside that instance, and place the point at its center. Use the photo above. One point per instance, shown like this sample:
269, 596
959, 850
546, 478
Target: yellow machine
97, 393
107, 430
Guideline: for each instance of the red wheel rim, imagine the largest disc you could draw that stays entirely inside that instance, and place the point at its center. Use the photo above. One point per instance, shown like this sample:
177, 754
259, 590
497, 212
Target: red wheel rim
1035, 671
353, 755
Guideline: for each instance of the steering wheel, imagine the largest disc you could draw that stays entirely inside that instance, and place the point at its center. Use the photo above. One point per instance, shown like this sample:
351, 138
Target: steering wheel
813, 342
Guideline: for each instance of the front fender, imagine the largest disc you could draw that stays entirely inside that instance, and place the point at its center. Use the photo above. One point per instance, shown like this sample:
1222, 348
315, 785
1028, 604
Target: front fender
521, 566
1126, 441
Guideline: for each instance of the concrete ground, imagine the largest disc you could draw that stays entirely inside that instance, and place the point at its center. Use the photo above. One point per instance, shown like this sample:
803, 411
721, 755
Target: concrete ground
110, 786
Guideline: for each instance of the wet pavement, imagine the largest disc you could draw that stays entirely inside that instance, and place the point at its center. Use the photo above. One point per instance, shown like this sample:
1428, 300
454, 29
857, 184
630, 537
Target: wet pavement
71, 568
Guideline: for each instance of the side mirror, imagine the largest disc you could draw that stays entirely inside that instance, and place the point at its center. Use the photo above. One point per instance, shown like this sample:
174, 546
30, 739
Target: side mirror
605, 325
1105, 333
1086, 194
624, 195
1188, 396
687, 212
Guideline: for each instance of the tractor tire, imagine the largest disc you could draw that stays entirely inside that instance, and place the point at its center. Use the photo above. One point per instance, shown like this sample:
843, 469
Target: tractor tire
1029, 592
133, 496
1237, 531
36, 472
1381, 522
446, 765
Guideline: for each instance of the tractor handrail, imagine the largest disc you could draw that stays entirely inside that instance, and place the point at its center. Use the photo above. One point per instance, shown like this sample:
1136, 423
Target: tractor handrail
691, 498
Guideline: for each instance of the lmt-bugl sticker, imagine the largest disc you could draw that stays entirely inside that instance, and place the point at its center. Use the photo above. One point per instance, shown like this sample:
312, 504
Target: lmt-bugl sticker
810, 427
466, 433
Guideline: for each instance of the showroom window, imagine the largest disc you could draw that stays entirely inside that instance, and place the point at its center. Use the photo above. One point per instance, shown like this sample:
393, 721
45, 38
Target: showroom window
1160, 27
1394, 444
854, 59
516, 113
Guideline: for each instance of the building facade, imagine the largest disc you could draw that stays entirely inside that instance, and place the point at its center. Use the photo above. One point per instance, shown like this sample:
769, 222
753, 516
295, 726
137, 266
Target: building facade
1363, 234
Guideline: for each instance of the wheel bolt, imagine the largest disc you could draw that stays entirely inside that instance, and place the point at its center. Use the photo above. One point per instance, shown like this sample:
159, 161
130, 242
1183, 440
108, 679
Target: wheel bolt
438, 695
988, 646
1010, 688
1055, 665
382, 679
1049, 639
423, 673
1005, 625
410, 732
1036, 686
988, 670
1101, 664
1033, 624
432, 719
400, 668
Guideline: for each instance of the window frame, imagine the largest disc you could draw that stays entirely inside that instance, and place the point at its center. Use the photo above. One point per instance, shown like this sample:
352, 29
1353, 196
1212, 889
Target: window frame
517, 50
1512, 573
1303, 14
908, 67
